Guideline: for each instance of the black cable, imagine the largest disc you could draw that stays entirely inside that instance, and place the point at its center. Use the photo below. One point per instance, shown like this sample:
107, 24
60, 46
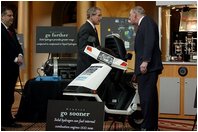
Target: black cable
111, 125
30, 126
48, 56
39, 73
22, 89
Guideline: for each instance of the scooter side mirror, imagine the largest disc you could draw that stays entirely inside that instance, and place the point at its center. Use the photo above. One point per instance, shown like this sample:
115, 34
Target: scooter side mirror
128, 56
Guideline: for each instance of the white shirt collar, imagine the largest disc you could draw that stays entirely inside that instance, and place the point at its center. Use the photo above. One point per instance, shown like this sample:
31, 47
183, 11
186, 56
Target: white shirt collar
91, 24
5, 25
140, 20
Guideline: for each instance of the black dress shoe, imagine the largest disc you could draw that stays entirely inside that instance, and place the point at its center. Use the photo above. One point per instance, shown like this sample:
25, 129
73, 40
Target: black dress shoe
15, 125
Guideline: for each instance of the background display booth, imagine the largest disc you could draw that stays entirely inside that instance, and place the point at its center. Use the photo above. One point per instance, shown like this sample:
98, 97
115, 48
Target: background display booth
177, 83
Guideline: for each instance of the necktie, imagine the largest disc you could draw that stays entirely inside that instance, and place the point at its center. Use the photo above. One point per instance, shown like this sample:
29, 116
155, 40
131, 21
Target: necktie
10, 32
97, 42
96, 30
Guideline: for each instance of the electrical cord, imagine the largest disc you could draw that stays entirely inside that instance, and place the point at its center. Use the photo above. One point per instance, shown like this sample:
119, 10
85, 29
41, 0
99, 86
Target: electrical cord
39, 73
48, 56
22, 89
30, 126
111, 125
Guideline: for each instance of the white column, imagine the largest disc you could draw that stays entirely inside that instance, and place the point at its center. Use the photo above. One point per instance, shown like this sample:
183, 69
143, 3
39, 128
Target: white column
82, 7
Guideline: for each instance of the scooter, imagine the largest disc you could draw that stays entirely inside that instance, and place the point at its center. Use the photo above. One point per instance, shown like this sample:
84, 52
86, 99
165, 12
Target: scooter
108, 81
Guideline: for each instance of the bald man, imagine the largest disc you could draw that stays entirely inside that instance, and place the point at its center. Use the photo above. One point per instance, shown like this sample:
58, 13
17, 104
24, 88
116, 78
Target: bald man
148, 65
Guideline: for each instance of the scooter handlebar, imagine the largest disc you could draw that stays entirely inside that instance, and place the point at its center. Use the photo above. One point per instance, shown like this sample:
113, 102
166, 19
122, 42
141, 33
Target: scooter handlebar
106, 58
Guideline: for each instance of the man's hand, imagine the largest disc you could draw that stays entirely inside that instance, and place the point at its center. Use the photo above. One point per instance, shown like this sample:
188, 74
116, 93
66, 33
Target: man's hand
133, 79
143, 67
20, 60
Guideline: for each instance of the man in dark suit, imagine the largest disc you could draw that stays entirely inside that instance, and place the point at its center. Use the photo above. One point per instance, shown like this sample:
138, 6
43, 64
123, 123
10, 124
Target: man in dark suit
11, 59
148, 65
87, 35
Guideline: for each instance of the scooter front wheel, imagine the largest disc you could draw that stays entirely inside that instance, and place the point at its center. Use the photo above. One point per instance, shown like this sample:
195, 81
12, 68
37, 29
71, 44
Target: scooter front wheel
135, 119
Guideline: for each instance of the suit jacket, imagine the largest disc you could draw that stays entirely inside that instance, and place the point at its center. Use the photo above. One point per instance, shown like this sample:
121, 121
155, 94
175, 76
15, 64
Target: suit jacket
10, 48
84, 60
147, 46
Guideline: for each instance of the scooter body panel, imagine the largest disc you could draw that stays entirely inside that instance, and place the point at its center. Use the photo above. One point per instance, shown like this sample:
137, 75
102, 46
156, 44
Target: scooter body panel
92, 77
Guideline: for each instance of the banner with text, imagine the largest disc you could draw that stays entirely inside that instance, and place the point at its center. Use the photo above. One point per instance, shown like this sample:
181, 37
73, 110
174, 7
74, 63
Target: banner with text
65, 115
56, 39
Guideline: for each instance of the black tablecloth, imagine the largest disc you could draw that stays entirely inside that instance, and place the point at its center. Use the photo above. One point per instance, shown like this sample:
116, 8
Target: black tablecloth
34, 100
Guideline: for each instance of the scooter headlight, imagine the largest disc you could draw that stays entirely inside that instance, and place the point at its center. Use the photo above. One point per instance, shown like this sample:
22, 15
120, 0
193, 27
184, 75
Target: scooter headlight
106, 58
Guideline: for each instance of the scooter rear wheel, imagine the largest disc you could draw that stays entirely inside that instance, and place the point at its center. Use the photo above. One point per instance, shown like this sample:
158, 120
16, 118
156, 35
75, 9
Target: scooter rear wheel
135, 119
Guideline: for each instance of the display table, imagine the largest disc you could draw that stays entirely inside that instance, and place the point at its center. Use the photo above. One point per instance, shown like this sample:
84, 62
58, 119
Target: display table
34, 100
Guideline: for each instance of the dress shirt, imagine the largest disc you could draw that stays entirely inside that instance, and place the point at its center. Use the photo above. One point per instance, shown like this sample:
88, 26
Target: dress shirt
140, 20
92, 25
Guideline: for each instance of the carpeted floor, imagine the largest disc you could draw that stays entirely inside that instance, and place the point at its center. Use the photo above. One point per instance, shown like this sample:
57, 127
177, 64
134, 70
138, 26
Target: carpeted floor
164, 124
176, 125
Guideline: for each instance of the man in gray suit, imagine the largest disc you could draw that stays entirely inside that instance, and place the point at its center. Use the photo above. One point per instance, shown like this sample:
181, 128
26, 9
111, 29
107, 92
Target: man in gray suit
148, 65
88, 35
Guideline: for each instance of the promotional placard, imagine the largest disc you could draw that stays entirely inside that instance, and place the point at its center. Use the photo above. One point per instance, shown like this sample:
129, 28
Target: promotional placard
56, 39
65, 115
